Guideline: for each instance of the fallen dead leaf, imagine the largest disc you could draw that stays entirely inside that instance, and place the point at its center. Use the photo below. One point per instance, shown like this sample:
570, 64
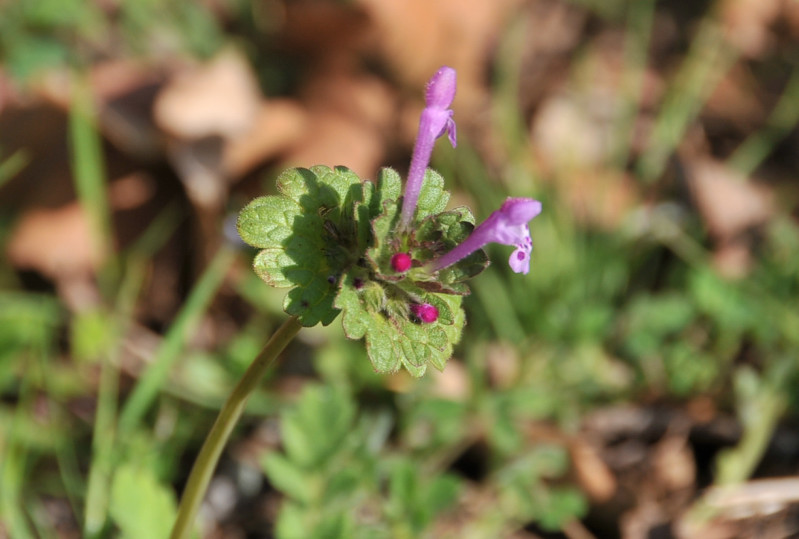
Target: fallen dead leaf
746, 24
735, 99
131, 191
452, 383
417, 37
728, 202
733, 260
319, 28
200, 109
352, 116
643, 520
502, 365
219, 98
790, 14
55, 242
601, 197
763, 508
594, 476
567, 135
279, 124
108, 80
673, 463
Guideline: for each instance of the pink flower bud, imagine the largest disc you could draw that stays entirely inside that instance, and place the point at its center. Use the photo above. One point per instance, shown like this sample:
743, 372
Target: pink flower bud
425, 312
401, 262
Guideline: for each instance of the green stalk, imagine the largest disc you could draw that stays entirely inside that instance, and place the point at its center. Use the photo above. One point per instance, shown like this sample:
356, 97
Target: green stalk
105, 426
754, 150
13, 165
206, 461
156, 374
709, 59
88, 170
636, 52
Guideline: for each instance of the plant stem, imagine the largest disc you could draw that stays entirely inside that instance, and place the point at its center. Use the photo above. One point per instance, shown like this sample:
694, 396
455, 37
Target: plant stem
206, 461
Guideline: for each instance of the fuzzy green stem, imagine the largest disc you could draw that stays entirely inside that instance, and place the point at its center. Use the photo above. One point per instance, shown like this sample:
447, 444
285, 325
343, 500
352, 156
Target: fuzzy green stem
206, 461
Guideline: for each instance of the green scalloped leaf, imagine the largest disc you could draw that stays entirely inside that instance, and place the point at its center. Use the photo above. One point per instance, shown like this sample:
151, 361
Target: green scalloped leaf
432, 198
389, 187
384, 244
439, 234
384, 214
465, 269
266, 221
309, 237
392, 339
358, 323
454, 330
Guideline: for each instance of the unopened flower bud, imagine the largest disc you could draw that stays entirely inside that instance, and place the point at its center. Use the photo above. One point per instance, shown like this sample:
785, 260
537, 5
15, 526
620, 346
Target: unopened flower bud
401, 262
425, 312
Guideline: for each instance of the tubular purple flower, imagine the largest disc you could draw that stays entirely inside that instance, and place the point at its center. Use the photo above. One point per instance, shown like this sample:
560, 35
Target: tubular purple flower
508, 226
435, 121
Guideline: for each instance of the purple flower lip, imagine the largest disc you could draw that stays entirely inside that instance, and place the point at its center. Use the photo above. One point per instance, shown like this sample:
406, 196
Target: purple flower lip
435, 121
508, 226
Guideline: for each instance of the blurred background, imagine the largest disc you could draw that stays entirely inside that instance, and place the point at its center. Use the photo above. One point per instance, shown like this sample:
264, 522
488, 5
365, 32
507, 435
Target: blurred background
641, 381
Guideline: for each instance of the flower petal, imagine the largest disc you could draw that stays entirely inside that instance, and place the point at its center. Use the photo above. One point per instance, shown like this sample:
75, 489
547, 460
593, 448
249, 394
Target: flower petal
519, 261
451, 131
441, 89
519, 211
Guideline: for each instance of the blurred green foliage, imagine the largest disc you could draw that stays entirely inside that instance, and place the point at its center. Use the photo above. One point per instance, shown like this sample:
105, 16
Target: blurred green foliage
35, 36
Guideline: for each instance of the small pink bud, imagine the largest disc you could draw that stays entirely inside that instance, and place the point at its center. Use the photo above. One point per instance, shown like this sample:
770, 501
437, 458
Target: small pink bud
425, 312
401, 262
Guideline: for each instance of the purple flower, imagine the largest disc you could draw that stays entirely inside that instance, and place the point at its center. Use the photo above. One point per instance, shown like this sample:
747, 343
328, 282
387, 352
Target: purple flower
508, 226
435, 121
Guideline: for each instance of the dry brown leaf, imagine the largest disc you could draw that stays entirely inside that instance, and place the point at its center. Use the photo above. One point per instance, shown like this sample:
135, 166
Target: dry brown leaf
763, 508
746, 24
673, 463
727, 201
733, 260
735, 99
417, 37
218, 98
279, 124
702, 409
567, 134
452, 383
337, 140
790, 15
704, 529
131, 191
124, 91
319, 28
108, 80
642, 520
592, 473
502, 365
55, 242
600, 197
351, 118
